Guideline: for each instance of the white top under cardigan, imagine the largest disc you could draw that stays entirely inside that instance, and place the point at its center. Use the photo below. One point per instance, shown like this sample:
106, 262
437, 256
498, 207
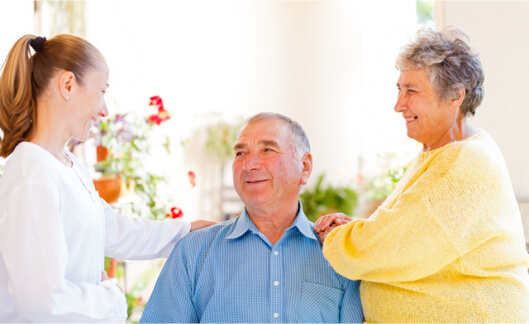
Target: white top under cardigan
54, 234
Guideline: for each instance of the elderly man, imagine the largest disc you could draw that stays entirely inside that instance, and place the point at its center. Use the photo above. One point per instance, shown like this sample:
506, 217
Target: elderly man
265, 265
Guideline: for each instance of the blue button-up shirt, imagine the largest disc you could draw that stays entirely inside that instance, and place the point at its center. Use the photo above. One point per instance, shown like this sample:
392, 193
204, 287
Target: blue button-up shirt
230, 272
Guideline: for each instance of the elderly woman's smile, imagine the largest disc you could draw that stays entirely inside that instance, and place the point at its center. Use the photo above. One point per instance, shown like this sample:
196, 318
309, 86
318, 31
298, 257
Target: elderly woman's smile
429, 120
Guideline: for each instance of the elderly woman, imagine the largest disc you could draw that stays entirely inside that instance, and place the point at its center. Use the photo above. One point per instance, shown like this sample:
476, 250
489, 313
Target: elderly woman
447, 244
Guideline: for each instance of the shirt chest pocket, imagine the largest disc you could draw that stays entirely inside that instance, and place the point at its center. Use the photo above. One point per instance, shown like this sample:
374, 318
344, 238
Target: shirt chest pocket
319, 304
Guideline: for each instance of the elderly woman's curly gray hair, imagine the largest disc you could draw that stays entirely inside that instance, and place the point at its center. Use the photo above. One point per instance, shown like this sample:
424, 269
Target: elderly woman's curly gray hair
450, 62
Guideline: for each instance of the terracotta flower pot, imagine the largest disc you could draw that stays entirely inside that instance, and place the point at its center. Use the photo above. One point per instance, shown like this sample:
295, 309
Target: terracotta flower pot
101, 153
109, 188
112, 267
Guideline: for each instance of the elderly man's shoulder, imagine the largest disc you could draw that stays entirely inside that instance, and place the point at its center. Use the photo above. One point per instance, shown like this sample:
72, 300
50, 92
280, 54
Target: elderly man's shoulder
210, 233
202, 243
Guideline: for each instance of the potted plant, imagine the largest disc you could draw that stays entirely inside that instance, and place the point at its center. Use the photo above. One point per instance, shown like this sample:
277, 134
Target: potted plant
220, 140
380, 187
375, 190
322, 200
122, 143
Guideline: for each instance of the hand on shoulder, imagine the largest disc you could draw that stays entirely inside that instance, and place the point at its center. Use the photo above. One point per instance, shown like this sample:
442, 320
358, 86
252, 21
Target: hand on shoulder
201, 224
325, 224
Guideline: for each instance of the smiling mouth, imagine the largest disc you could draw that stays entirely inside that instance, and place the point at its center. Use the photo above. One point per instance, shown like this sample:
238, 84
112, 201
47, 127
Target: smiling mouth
409, 119
255, 181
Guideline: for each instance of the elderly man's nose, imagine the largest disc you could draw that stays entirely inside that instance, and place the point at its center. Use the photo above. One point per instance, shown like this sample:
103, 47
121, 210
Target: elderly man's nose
252, 162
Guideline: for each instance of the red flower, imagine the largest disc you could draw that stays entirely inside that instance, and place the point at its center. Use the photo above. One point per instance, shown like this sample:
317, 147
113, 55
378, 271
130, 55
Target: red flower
162, 114
156, 101
175, 213
192, 178
154, 119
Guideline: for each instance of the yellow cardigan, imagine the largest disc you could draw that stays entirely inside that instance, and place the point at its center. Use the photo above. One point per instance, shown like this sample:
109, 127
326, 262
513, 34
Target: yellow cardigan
447, 245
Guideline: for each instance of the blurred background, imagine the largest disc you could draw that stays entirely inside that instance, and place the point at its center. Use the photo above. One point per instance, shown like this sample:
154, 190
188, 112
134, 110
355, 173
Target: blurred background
327, 64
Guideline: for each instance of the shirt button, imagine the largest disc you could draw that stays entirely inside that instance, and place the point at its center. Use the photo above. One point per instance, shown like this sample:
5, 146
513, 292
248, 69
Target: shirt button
276, 253
276, 283
276, 315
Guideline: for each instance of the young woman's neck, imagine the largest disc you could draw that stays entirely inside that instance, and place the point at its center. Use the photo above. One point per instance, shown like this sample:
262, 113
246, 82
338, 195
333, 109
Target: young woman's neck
50, 132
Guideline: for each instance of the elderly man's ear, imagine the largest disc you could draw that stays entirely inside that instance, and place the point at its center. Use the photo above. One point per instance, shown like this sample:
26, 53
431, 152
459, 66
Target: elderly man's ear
307, 168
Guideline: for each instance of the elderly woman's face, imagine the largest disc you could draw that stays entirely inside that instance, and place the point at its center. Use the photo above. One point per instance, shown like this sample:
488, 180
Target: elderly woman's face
428, 120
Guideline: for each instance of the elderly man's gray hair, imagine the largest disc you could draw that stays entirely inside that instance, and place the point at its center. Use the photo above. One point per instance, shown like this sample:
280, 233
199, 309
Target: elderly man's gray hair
300, 141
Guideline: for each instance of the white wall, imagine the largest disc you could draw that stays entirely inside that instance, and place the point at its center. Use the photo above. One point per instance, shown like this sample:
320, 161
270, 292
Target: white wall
499, 30
327, 64
16, 20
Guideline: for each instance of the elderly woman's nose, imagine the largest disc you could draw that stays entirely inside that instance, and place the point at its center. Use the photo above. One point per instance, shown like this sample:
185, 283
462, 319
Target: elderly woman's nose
400, 105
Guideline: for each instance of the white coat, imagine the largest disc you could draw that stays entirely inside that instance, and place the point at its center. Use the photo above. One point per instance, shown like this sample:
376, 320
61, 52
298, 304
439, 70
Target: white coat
54, 234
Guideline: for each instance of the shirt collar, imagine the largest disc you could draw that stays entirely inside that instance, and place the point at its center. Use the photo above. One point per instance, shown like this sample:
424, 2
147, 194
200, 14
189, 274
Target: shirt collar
245, 224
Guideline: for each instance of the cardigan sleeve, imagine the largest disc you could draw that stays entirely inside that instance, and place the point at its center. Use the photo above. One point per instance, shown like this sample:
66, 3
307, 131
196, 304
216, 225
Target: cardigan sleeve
442, 211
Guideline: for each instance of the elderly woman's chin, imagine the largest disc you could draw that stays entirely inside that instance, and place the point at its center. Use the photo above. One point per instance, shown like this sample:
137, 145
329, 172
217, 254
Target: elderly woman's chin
412, 133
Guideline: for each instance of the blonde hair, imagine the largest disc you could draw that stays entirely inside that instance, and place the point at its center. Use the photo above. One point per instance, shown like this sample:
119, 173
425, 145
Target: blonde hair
25, 77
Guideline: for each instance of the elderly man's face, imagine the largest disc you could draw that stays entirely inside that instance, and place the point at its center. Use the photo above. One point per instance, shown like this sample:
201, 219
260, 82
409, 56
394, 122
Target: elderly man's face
428, 120
266, 173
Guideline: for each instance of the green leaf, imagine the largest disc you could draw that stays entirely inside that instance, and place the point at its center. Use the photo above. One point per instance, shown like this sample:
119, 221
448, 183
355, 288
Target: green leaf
319, 201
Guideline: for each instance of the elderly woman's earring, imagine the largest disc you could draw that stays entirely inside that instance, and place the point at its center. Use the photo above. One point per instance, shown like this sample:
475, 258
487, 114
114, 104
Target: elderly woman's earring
67, 97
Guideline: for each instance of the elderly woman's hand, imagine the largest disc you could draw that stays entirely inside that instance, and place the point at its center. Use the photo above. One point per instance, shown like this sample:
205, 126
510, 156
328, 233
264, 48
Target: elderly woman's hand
323, 235
325, 224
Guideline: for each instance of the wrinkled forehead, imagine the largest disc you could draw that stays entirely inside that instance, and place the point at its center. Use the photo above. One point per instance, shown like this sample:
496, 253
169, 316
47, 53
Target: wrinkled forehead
413, 78
264, 131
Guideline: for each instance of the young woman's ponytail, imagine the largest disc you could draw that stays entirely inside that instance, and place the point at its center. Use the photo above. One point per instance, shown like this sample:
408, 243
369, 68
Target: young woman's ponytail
17, 103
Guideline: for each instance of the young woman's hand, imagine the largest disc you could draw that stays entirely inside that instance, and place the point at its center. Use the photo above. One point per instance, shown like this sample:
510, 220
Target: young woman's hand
104, 276
201, 224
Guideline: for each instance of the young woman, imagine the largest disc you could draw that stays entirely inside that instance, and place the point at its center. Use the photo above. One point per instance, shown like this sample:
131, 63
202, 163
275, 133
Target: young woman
54, 228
